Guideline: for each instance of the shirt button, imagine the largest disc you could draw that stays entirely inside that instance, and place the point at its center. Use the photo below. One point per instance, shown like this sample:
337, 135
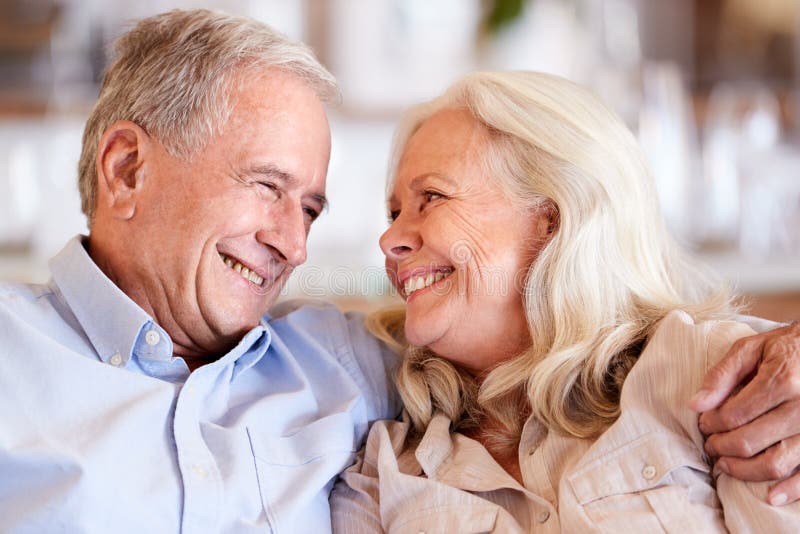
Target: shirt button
152, 337
649, 472
116, 360
543, 516
199, 471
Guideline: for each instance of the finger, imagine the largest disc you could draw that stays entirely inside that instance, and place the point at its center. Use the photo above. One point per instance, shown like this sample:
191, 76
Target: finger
758, 397
720, 381
758, 435
785, 492
777, 462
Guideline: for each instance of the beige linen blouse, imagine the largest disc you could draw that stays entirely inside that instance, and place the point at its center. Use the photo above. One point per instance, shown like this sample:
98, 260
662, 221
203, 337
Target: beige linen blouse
646, 473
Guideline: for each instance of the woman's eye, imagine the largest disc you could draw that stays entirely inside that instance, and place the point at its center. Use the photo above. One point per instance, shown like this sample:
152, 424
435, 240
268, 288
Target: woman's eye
393, 215
430, 196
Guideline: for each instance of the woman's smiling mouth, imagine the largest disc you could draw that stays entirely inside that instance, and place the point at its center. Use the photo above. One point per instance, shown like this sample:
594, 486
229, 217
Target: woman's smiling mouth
418, 282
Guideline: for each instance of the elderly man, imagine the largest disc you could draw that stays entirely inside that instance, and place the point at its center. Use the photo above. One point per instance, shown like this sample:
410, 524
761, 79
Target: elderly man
143, 389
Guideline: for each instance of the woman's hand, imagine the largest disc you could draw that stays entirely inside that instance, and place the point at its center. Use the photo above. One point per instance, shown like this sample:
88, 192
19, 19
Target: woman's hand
755, 432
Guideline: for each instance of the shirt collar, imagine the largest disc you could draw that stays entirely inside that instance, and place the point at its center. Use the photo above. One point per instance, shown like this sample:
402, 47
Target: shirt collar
112, 321
456, 460
118, 328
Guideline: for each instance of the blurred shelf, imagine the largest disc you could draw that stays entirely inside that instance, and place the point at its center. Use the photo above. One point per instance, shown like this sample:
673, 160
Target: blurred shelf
754, 276
783, 307
25, 30
21, 268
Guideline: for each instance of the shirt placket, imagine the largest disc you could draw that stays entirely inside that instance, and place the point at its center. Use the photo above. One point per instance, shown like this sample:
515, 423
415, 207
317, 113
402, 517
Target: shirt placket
540, 492
202, 485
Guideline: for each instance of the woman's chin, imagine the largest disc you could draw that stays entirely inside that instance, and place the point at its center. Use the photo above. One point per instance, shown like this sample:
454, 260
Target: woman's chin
423, 333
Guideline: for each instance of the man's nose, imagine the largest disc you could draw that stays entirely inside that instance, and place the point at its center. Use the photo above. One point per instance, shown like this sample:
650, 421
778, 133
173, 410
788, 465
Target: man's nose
286, 233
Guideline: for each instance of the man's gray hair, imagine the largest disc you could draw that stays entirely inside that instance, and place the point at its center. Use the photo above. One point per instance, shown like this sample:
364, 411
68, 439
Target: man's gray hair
172, 73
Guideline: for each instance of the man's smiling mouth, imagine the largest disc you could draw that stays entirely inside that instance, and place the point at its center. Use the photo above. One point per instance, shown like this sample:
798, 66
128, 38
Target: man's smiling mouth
245, 273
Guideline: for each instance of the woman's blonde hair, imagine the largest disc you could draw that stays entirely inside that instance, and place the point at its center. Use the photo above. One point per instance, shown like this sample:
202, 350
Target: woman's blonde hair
608, 274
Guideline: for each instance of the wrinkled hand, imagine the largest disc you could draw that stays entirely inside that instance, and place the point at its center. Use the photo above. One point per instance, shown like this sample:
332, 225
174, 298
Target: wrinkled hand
755, 432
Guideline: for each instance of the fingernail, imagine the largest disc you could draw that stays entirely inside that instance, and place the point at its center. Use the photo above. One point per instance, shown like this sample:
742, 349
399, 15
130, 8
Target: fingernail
778, 499
700, 396
723, 466
703, 427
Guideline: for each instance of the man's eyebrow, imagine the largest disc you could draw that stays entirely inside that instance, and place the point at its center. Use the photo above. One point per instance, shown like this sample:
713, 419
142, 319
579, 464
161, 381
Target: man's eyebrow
321, 199
270, 170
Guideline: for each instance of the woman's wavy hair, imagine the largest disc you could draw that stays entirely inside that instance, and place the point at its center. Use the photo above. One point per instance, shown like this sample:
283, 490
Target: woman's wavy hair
608, 274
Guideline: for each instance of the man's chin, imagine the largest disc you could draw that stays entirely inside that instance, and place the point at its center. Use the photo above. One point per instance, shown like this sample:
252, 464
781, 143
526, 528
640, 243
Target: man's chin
229, 333
234, 321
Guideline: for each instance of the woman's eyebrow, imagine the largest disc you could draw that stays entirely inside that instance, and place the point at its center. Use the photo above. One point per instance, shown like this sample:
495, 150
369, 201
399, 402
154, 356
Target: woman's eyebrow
415, 182
419, 179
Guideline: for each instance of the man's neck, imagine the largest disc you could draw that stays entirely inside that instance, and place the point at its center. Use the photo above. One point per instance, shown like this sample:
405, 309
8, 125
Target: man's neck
194, 352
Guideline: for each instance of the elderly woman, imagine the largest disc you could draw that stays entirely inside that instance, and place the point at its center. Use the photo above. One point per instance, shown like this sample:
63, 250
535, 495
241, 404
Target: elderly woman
552, 334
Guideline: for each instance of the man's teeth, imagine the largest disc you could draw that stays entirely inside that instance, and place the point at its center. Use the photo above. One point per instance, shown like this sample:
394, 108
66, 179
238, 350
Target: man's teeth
246, 273
415, 283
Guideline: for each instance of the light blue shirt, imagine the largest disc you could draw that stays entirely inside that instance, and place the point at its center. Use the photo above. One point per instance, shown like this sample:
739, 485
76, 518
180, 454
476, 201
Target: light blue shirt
103, 430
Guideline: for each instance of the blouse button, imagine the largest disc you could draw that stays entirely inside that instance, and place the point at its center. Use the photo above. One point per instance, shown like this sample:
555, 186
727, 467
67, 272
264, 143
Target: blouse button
543, 516
649, 472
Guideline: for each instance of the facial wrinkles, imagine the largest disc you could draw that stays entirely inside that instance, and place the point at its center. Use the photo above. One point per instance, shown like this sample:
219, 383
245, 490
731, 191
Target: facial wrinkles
188, 335
469, 220
479, 267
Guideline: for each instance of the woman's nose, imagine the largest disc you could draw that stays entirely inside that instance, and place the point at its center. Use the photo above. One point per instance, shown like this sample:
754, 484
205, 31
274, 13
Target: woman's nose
400, 239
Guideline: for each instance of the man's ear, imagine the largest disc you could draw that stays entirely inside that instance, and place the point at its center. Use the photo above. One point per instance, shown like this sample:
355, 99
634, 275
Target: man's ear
120, 155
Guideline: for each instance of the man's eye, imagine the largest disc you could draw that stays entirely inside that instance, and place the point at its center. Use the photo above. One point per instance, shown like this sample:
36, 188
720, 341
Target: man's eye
272, 186
311, 213
393, 215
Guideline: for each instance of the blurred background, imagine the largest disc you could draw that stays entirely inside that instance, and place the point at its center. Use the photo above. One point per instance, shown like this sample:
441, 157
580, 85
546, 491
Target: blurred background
710, 87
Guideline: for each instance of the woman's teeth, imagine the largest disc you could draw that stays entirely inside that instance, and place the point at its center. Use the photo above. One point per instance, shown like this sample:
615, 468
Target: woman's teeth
246, 273
415, 283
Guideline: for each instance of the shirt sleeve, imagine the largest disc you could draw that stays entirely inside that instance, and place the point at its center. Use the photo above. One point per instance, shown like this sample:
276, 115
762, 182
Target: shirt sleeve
745, 503
378, 364
355, 501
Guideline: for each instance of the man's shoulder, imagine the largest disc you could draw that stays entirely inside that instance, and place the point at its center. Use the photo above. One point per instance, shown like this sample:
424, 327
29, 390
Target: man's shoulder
306, 325
307, 315
303, 307
23, 298
31, 313
323, 321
